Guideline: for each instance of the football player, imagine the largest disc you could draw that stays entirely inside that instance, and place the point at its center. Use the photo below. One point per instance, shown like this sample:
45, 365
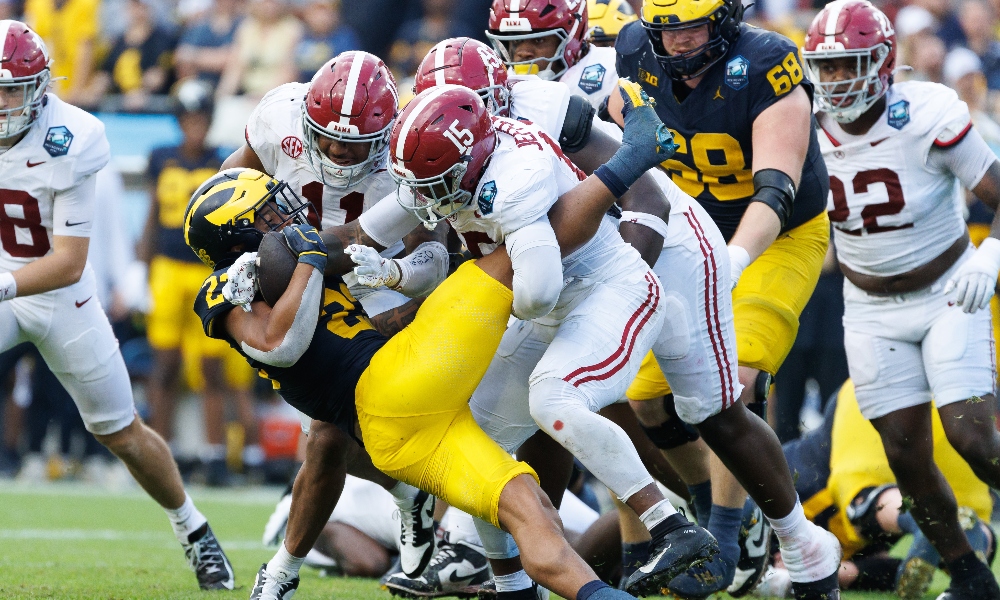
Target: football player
549, 39
698, 344
49, 154
736, 99
411, 392
899, 155
606, 19
328, 142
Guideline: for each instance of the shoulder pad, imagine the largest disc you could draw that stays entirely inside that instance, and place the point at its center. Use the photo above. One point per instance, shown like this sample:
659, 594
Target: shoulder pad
631, 39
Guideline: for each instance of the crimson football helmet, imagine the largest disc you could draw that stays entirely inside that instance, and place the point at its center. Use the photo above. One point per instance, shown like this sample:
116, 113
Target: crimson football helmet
351, 99
24, 77
850, 29
440, 146
515, 20
469, 63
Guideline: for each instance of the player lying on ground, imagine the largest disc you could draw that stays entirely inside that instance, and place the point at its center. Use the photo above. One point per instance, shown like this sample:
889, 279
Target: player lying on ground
51, 152
899, 155
469, 311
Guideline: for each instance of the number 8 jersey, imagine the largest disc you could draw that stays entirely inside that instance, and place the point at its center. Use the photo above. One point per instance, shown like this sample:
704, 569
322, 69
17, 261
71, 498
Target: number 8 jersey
894, 203
38, 180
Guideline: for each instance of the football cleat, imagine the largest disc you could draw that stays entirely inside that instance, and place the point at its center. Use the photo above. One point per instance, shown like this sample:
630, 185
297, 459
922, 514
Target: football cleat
416, 537
981, 586
755, 551
678, 551
776, 583
819, 553
488, 591
274, 529
208, 561
458, 569
827, 588
266, 587
915, 573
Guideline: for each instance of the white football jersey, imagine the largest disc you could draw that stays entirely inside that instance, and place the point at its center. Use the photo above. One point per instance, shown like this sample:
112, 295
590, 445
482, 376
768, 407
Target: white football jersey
594, 76
891, 210
37, 178
275, 133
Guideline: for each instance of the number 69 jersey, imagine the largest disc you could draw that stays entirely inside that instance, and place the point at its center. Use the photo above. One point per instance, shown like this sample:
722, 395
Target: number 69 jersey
38, 177
892, 208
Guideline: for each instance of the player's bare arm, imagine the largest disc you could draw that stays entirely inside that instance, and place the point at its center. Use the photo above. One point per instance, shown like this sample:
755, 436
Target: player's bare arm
339, 238
57, 270
244, 156
392, 321
988, 191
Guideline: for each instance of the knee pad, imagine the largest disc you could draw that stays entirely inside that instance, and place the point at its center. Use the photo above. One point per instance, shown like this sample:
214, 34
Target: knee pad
497, 543
673, 432
550, 400
862, 511
761, 389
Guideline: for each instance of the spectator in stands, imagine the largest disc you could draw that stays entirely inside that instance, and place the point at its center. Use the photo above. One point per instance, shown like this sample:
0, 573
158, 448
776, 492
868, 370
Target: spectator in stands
262, 56
139, 62
926, 58
176, 276
415, 38
70, 31
205, 45
979, 23
325, 36
963, 72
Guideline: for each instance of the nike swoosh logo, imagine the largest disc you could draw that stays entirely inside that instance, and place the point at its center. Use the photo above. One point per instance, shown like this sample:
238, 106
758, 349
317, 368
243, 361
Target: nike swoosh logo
648, 567
461, 572
877, 142
68, 224
31, 164
79, 304
755, 540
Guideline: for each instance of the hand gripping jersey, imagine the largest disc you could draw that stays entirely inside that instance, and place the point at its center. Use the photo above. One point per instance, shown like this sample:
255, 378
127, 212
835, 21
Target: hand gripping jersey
892, 209
274, 131
321, 383
594, 76
37, 175
713, 124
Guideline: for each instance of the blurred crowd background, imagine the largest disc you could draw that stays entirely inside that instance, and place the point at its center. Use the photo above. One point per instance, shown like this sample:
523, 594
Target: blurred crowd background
132, 63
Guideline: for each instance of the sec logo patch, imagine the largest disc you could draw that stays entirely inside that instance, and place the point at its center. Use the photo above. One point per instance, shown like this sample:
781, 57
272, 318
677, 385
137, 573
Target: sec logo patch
57, 141
292, 146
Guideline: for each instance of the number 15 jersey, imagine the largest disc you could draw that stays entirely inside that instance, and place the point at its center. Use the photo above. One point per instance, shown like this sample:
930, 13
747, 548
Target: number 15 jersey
893, 207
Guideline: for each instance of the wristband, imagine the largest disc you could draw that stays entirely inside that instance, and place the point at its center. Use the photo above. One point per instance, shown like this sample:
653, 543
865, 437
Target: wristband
8, 287
640, 218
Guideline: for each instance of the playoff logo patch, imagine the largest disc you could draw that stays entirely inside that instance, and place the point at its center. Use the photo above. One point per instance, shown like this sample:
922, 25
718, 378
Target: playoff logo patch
57, 141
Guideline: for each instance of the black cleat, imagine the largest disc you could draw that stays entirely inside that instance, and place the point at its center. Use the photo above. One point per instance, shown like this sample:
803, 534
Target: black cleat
981, 586
266, 587
827, 588
678, 551
458, 569
208, 561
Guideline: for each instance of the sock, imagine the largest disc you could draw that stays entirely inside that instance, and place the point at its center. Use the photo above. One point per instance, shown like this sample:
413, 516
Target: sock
701, 501
186, 519
908, 524
590, 588
513, 582
725, 526
792, 526
403, 492
655, 514
283, 566
633, 557
460, 527
966, 567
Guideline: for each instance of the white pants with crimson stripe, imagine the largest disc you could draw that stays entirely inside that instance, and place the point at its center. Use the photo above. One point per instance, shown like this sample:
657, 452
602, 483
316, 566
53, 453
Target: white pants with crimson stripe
558, 376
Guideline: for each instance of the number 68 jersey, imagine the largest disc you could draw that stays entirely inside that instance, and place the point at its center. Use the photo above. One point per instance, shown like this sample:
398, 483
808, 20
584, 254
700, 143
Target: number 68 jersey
38, 180
893, 206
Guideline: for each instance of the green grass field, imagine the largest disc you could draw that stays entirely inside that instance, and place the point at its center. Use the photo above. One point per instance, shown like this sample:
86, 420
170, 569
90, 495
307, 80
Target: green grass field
68, 541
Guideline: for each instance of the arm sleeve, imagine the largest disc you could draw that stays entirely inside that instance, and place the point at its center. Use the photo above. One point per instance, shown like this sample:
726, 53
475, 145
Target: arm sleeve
73, 209
968, 159
387, 222
538, 277
300, 334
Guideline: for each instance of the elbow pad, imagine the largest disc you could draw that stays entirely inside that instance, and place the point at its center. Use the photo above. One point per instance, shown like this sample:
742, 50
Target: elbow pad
537, 263
423, 270
775, 189
576, 126
300, 334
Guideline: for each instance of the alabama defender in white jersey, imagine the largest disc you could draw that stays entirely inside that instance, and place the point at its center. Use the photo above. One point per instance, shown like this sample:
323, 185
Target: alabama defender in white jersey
549, 39
915, 327
696, 347
597, 311
49, 154
329, 141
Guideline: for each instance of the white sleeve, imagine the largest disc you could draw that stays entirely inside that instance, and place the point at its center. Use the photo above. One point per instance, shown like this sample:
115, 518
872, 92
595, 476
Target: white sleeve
525, 194
388, 222
73, 208
537, 262
968, 158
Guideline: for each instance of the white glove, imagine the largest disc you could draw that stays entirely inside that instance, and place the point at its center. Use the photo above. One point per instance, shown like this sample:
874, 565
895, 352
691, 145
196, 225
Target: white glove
974, 282
373, 270
241, 281
739, 259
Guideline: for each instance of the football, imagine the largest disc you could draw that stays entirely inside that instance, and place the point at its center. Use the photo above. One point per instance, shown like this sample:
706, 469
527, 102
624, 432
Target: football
275, 264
